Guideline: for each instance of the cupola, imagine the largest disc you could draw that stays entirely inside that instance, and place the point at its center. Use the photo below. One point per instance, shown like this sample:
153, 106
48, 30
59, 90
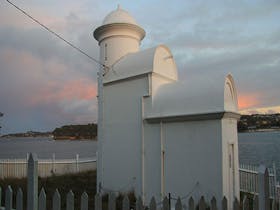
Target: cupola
118, 35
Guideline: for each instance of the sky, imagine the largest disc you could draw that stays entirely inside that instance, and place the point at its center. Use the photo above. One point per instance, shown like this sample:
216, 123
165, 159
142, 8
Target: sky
45, 84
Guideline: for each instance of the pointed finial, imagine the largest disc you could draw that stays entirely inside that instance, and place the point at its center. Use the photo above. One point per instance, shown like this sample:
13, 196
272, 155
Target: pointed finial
119, 6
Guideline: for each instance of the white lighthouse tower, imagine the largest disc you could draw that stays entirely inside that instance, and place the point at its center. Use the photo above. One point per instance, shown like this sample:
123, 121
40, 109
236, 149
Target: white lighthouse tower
118, 35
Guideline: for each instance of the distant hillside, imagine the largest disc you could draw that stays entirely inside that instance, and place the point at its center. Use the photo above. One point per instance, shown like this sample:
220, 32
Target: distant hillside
257, 122
75, 132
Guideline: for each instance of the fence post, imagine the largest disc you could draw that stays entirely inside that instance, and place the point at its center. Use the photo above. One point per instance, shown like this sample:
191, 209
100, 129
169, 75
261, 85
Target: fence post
224, 203
202, 204
70, 201
1, 170
245, 203
56, 201
32, 182
77, 162
139, 203
191, 203
112, 201
178, 205
236, 205
263, 177
0, 196
214, 204
256, 202
84, 201
165, 204
125, 203
153, 205
275, 180
42, 200
53, 163
98, 201
9, 198
19, 198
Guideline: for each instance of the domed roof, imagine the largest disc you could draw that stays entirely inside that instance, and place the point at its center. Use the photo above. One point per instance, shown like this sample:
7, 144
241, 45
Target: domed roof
158, 60
119, 16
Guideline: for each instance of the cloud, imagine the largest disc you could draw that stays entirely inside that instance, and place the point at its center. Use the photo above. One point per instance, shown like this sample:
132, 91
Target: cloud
46, 83
75, 90
43, 93
249, 100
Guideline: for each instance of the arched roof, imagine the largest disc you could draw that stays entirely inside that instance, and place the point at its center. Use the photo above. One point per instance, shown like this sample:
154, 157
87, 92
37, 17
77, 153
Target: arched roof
158, 60
119, 16
199, 96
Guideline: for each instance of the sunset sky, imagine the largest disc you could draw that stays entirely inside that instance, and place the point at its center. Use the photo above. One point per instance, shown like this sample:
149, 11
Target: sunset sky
44, 83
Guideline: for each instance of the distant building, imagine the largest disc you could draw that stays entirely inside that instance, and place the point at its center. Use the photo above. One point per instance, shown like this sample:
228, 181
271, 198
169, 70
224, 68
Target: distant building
161, 135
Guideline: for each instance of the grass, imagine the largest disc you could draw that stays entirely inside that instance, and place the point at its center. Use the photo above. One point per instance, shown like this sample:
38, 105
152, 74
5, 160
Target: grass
78, 183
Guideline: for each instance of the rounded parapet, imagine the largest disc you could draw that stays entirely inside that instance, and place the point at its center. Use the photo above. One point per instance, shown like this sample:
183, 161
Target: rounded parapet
230, 95
206, 97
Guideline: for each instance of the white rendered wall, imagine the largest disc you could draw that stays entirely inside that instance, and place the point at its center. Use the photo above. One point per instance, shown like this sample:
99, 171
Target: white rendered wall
229, 132
152, 162
194, 151
193, 154
114, 48
122, 143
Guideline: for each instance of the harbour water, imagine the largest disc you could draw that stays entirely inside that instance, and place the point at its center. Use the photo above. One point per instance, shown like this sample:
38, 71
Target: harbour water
260, 148
11, 148
254, 148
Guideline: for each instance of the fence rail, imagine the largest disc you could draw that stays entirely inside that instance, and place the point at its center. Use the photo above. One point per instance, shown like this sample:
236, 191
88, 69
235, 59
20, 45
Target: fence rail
46, 167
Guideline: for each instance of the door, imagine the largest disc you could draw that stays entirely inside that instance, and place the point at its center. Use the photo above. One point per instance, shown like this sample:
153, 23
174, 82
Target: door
231, 174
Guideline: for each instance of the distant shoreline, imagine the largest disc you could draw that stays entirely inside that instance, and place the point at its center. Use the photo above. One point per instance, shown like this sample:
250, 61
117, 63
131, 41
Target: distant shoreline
50, 137
24, 136
74, 138
260, 130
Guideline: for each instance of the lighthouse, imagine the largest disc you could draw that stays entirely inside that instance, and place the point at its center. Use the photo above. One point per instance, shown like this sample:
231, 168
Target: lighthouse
157, 134
118, 36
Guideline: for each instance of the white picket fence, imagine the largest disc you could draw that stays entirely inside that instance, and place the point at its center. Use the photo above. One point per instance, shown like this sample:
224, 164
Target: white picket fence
46, 167
248, 177
35, 202
127, 205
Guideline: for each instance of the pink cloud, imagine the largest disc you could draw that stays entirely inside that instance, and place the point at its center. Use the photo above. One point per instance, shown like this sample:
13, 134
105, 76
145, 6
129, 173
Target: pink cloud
40, 82
248, 100
80, 89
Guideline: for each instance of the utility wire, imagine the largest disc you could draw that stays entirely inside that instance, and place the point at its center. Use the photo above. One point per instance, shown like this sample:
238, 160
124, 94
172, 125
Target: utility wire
57, 35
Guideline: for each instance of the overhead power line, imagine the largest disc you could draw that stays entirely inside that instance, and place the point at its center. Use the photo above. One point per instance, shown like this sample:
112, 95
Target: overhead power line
57, 35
